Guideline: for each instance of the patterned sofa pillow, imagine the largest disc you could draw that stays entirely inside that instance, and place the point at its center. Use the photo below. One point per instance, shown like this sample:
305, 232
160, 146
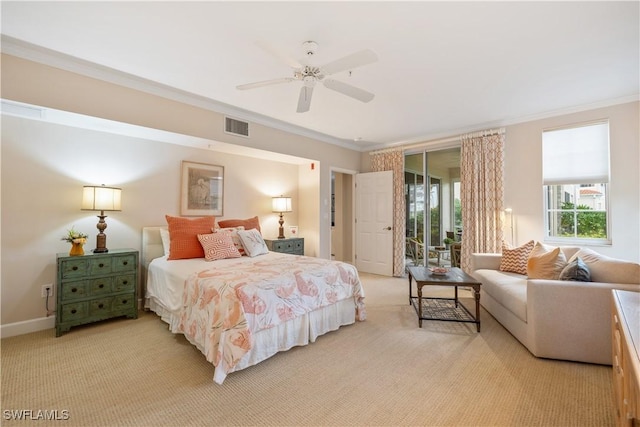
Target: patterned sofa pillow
515, 259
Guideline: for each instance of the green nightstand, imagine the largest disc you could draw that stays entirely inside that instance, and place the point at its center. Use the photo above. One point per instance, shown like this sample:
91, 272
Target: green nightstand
292, 245
94, 287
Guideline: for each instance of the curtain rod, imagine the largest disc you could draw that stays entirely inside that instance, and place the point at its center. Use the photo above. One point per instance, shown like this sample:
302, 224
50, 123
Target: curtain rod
450, 139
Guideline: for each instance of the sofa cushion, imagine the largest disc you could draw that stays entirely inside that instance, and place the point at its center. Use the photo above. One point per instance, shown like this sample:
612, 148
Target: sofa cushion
609, 270
576, 270
515, 259
508, 289
545, 262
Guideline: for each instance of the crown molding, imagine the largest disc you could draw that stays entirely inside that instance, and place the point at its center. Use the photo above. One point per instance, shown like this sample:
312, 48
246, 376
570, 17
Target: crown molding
29, 51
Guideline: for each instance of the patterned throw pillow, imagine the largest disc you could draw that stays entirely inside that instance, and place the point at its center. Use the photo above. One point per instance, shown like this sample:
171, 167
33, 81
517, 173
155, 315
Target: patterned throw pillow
218, 246
576, 270
545, 262
183, 233
253, 243
515, 260
233, 232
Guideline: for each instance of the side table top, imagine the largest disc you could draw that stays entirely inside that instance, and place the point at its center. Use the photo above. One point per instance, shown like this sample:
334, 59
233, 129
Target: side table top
454, 276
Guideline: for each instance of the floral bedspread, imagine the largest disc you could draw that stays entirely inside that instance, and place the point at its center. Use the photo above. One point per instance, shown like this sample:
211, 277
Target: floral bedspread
223, 307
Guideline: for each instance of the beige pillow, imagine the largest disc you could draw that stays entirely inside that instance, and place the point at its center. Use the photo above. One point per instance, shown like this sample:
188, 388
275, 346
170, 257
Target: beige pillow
609, 270
515, 260
545, 262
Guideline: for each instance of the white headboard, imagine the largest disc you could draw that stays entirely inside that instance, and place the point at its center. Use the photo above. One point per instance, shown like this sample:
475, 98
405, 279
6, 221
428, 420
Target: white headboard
151, 244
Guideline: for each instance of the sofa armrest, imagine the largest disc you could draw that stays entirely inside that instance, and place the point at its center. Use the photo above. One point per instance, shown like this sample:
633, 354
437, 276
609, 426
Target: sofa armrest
571, 320
485, 261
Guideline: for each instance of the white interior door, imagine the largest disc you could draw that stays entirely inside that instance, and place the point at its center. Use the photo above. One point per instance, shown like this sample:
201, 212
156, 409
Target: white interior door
374, 222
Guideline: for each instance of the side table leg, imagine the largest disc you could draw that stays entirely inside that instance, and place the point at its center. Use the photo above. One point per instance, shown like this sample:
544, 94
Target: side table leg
419, 305
410, 288
476, 291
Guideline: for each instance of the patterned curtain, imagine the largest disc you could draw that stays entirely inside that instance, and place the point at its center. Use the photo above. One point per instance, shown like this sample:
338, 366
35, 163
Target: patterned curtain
394, 161
482, 193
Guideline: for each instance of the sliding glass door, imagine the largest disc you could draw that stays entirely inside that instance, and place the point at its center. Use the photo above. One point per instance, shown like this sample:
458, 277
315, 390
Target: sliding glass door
432, 185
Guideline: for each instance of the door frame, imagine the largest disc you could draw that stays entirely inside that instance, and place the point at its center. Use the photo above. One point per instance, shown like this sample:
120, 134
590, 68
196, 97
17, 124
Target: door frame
352, 213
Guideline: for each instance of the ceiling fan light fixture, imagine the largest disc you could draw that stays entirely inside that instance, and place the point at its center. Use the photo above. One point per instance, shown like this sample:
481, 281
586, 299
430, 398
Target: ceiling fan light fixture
309, 81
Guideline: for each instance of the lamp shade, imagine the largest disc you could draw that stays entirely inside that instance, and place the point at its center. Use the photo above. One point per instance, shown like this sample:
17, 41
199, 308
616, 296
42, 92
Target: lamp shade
101, 198
281, 204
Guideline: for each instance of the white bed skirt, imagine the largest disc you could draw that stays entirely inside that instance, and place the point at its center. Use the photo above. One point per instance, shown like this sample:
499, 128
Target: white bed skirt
267, 342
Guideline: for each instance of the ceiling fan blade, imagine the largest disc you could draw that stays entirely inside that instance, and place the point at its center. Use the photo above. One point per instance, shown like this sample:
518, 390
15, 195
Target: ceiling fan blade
293, 63
350, 62
347, 89
265, 83
304, 101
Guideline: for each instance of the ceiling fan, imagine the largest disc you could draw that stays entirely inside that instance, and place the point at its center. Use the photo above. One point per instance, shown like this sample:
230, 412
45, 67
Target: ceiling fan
310, 75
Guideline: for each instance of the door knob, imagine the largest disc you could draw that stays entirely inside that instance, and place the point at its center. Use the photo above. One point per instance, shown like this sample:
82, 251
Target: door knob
387, 228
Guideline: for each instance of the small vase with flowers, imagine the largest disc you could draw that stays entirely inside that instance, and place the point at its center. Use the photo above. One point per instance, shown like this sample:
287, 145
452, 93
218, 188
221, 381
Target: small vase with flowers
77, 241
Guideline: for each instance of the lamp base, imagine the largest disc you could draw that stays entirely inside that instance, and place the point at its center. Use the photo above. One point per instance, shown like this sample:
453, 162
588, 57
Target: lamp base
281, 230
101, 241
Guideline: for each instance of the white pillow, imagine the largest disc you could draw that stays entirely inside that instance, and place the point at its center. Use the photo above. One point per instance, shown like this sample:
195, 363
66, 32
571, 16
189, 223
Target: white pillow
166, 242
253, 242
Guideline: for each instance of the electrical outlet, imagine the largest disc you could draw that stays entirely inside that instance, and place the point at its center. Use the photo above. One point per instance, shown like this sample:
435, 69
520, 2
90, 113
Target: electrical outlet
46, 290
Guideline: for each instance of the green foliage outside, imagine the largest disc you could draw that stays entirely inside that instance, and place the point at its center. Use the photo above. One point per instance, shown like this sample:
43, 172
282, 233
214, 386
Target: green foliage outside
590, 224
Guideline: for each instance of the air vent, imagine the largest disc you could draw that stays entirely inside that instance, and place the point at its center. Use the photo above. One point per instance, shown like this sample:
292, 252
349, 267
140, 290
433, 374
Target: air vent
236, 127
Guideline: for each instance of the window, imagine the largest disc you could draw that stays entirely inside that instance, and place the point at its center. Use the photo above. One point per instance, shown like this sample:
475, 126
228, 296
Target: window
457, 207
576, 178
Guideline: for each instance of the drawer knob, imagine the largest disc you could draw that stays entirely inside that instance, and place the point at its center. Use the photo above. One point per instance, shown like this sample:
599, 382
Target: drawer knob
101, 285
125, 263
74, 289
74, 268
74, 311
100, 305
101, 265
124, 282
124, 301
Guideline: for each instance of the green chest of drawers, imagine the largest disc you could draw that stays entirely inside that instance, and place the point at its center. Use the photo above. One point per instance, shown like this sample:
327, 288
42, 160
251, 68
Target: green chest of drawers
95, 287
292, 245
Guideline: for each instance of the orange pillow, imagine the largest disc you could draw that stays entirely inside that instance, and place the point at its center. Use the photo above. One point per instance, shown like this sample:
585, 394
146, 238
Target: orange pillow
248, 224
183, 234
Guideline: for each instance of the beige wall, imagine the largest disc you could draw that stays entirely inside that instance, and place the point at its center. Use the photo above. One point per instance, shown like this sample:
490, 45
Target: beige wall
44, 167
523, 175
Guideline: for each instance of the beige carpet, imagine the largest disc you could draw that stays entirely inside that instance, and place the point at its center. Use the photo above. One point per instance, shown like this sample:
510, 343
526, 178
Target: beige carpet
385, 371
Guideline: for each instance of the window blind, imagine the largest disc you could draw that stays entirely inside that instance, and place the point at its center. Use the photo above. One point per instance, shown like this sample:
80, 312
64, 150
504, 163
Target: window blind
578, 155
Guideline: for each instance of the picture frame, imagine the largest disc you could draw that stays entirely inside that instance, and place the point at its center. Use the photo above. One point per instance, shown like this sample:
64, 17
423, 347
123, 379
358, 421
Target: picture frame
293, 231
201, 189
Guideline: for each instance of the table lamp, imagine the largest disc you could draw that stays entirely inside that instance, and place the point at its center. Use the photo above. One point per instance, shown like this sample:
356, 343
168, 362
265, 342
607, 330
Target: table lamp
280, 205
101, 198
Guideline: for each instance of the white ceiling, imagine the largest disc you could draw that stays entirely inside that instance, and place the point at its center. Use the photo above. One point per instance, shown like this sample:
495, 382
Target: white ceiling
444, 68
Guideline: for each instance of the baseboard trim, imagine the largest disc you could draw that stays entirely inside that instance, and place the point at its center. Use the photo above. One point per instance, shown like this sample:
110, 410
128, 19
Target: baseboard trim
27, 326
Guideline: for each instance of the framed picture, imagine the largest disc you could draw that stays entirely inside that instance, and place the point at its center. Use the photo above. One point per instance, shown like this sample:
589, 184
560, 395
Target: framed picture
293, 230
201, 190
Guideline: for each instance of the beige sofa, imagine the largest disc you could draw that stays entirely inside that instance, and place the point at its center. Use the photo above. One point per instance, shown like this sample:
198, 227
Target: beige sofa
557, 319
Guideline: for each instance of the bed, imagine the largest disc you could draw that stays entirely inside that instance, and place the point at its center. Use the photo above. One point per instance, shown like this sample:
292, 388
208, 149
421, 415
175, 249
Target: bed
241, 311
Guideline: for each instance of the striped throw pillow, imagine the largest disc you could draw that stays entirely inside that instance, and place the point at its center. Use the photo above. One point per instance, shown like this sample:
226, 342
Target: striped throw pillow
515, 259
218, 246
